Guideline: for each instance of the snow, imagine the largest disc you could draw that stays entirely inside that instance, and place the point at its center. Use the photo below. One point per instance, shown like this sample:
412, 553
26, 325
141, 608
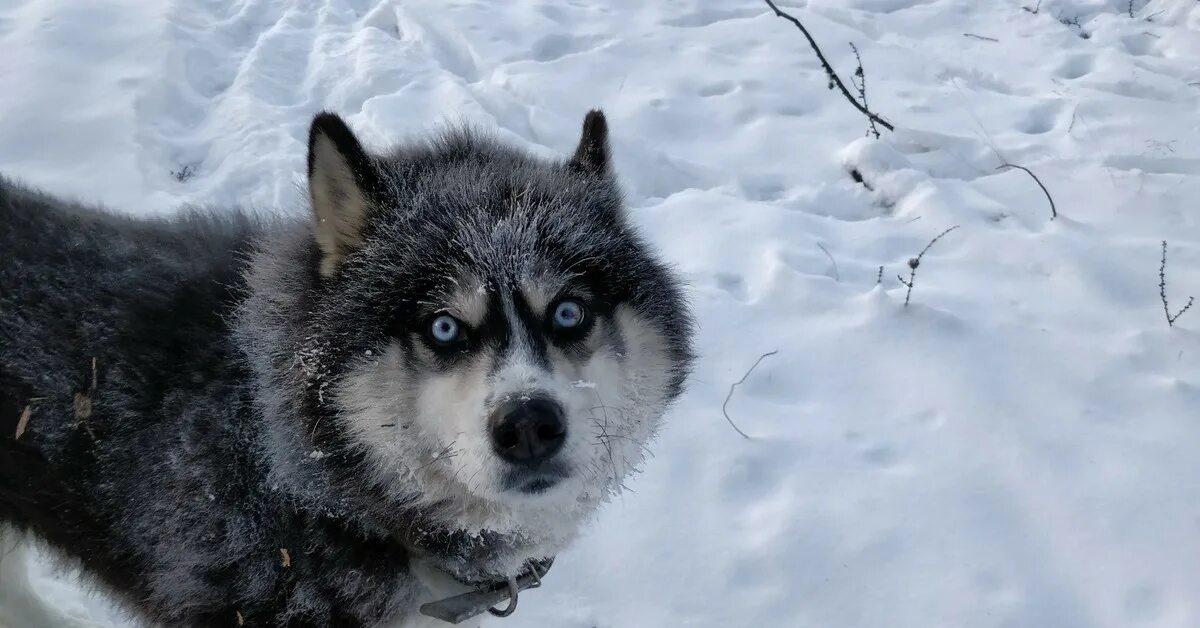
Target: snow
1017, 447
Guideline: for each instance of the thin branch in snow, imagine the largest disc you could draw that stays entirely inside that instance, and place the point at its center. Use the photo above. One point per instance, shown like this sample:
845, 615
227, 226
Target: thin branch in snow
836, 275
913, 263
861, 86
973, 35
879, 279
1162, 290
725, 406
834, 80
1053, 209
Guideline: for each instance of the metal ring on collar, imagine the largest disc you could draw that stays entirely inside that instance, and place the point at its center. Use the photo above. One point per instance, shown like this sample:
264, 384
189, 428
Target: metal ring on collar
513, 590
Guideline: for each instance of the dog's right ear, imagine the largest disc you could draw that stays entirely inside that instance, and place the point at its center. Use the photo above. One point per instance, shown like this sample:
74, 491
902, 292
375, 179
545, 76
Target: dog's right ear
592, 155
341, 180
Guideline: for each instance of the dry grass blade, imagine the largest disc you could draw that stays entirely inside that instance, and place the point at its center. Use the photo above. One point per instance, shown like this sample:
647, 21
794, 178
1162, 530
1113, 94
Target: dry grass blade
725, 406
1053, 209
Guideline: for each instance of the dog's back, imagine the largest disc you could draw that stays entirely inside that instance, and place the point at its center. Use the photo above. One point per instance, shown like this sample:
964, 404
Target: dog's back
81, 291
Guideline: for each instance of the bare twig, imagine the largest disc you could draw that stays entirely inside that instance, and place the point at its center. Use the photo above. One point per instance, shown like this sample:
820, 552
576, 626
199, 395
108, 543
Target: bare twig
1053, 209
1130, 8
1160, 147
724, 406
980, 37
914, 262
836, 275
861, 86
1162, 290
1070, 22
879, 278
834, 80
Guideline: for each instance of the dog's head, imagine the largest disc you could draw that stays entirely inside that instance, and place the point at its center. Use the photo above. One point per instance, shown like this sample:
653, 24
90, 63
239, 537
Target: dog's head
507, 342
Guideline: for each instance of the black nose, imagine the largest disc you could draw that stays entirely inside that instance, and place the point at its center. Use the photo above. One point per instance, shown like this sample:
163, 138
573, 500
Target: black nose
528, 431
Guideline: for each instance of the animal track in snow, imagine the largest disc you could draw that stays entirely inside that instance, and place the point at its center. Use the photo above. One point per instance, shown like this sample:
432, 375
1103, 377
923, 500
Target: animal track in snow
734, 284
557, 46
1140, 44
1076, 66
708, 17
1155, 165
1040, 119
718, 88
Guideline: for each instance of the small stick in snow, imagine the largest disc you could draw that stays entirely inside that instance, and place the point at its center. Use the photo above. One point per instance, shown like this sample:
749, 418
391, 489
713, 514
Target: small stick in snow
836, 275
913, 263
861, 86
724, 406
1053, 209
834, 80
879, 279
1034, 10
1162, 290
980, 37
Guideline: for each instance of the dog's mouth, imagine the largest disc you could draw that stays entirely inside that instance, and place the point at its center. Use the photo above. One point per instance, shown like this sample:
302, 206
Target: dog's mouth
536, 480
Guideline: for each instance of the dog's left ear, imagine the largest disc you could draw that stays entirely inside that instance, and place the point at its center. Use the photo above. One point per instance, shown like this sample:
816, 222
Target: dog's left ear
341, 180
592, 154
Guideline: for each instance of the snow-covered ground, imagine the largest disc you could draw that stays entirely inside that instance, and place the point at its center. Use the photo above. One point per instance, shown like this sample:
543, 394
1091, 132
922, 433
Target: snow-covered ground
1020, 446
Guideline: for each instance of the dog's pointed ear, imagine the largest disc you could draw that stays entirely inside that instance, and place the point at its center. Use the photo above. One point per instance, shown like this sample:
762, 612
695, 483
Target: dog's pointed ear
592, 154
341, 180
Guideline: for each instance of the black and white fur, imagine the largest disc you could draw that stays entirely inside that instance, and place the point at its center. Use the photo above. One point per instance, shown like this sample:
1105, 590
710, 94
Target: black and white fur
206, 393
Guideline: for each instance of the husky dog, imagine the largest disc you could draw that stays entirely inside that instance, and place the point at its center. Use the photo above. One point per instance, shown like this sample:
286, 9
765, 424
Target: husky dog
230, 420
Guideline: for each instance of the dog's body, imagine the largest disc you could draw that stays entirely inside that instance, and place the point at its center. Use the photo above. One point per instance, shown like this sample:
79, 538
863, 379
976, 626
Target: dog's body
236, 421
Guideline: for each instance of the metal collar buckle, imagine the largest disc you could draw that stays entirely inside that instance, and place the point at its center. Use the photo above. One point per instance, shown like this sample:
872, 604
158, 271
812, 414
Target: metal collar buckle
460, 608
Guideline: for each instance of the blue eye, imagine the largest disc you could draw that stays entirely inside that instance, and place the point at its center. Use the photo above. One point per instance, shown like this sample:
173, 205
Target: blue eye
568, 314
444, 329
